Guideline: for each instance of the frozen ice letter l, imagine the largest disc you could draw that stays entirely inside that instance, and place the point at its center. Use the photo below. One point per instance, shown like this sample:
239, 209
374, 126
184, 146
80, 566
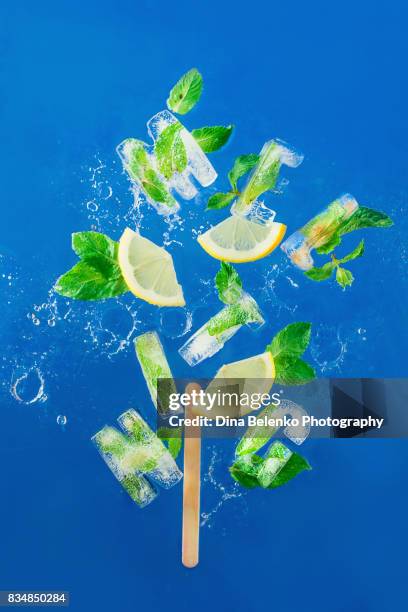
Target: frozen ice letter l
318, 231
155, 368
211, 337
264, 177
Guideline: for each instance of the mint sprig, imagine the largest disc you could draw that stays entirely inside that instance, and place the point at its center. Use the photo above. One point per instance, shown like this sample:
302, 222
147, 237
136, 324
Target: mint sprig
242, 165
363, 218
220, 200
212, 138
186, 92
97, 276
286, 348
343, 277
228, 283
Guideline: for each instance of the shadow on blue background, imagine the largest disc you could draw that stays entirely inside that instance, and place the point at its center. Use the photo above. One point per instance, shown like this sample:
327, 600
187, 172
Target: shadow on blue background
77, 78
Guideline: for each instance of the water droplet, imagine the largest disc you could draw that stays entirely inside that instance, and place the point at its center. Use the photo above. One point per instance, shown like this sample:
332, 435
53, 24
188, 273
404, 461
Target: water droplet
104, 191
51, 322
92, 206
35, 320
175, 322
61, 420
28, 387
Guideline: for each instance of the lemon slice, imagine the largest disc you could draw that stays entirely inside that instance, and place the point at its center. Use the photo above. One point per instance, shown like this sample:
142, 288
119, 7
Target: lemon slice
148, 270
249, 378
239, 240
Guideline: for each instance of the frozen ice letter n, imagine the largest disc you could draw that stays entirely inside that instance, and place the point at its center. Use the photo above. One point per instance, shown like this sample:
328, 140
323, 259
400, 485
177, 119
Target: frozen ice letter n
136, 457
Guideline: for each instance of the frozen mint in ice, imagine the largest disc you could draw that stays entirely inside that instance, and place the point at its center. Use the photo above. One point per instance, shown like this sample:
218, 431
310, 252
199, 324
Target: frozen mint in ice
137, 456
156, 369
139, 166
242, 312
170, 150
277, 467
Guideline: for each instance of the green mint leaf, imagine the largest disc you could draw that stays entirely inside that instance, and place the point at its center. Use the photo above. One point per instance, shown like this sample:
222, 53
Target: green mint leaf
265, 174
92, 279
357, 252
170, 151
240, 313
94, 244
155, 188
186, 92
219, 200
295, 465
138, 159
330, 245
321, 274
212, 138
228, 283
256, 436
242, 165
245, 471
140, 170
362, 218
292, 340
365, 217
174, 442
344, 277
291, 370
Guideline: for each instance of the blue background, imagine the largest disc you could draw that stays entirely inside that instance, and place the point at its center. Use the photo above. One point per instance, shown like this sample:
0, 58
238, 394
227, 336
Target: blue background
77, 78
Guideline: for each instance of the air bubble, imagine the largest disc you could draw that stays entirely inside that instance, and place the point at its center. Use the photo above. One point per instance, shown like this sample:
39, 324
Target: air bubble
175, 322
92, 206
28, 388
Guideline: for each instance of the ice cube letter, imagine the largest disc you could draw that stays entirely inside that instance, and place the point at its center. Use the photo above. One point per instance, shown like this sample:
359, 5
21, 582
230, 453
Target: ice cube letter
211, 337
137, 456
319, 231
156, 370
265, 174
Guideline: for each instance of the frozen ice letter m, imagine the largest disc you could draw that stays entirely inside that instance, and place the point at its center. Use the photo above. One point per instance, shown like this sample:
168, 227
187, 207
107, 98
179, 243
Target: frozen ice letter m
167, 165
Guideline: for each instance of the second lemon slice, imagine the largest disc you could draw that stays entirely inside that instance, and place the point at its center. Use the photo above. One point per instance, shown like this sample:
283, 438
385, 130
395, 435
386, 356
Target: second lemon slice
239, 240
258, 367
148, 270
238, 386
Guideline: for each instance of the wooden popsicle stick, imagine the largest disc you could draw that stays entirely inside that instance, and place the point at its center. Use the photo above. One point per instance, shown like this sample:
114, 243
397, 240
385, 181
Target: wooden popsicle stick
191, 490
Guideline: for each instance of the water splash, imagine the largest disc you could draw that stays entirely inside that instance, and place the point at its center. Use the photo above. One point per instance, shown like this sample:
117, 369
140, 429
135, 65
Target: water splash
27, 386
225, 493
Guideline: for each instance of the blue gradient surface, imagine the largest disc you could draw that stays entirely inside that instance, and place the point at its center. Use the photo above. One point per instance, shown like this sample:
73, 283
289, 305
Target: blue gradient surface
76, 79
